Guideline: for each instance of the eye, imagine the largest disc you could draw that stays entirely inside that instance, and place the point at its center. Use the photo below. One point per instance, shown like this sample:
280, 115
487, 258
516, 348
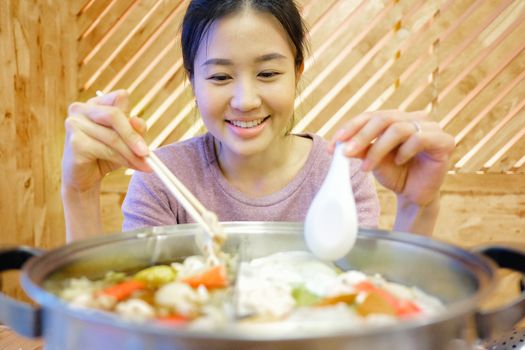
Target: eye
219, 78
268, 74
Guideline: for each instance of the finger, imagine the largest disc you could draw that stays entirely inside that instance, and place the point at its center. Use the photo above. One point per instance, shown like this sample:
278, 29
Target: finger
391, 139
379, 120
114, 118
100, 151
139, 125
438, 146
368, 133
117, 98
351, 127
112, 140
86, 147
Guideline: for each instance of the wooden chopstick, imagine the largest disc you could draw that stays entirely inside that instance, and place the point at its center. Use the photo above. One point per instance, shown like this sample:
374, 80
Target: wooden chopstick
192, 205
206, 218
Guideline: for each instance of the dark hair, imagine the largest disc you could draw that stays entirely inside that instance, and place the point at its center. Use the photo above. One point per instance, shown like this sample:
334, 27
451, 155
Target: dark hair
202, 13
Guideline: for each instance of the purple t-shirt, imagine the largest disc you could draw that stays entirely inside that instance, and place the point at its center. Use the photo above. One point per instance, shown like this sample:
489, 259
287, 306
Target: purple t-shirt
149, 203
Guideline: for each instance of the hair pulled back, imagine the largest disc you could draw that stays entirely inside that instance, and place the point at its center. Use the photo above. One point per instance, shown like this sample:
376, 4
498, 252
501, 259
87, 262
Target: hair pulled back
201, 14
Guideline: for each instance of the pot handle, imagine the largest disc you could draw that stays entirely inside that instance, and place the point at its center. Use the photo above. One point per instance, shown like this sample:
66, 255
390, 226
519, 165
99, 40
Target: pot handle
19, 316
504, 318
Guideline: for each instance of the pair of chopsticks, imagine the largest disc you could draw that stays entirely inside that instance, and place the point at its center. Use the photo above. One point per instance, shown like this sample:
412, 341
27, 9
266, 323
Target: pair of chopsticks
206, 218
198, 212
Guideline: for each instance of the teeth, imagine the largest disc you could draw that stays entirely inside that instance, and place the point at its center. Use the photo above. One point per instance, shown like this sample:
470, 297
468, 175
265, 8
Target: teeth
249, 124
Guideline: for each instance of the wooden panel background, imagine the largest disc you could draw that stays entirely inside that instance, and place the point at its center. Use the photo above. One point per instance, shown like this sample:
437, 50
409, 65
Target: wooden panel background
462, 61
37, 78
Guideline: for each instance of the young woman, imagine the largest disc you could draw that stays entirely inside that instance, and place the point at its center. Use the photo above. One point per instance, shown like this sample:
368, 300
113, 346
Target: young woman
244, 59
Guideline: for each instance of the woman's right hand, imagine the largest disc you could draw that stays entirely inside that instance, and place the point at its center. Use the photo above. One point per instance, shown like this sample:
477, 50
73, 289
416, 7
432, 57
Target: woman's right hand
101, 138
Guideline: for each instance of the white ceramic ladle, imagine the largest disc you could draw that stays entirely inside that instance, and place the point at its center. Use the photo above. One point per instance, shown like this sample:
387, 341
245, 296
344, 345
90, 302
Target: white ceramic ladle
330, 227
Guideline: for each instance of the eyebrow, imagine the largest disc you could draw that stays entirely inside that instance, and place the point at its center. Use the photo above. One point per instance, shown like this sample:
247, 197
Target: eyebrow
226, 62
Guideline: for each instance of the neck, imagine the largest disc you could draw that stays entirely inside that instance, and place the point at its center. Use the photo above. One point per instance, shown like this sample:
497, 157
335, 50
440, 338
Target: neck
265, 172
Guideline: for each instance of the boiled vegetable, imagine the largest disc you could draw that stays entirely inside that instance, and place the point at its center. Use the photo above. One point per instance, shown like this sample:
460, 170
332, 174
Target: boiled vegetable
348, 298
124, 289
173, 320
212, 278
381, 301
156, 276
375, 303
303, 297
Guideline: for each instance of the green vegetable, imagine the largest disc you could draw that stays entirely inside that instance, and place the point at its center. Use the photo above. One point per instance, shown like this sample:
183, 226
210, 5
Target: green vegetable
113, 277
303, 297
156, 276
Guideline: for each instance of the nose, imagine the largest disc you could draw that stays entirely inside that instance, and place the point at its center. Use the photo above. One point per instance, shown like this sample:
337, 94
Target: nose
245, 95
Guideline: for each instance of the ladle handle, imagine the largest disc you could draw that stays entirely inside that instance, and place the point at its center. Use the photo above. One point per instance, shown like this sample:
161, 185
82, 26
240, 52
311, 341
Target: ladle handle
19, 316
502, 319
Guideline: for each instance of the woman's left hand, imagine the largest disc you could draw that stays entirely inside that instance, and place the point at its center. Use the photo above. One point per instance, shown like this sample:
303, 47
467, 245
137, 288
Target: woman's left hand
407, 151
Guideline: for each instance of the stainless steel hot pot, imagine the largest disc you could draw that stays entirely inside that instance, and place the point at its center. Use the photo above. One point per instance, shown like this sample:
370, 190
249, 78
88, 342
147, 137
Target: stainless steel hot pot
462, 279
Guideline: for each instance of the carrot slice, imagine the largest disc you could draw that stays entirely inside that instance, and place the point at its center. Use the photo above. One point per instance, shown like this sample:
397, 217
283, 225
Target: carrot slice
214, 277
369, 287
173, 320
403, 308
406, 308
365, 286
124, 289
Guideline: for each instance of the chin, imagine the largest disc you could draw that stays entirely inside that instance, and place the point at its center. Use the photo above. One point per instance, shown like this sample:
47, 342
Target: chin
248, 147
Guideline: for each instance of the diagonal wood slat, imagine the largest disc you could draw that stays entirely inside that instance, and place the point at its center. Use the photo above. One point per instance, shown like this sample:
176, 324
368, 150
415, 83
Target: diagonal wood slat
329, 68
162, 44
141, 21
80, 6
505, 99
457, 71
90, 14
513, 159
142, 53
101, 26
490, 146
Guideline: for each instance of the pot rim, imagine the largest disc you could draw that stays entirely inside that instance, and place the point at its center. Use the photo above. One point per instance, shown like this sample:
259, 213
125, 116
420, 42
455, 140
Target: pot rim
484, 270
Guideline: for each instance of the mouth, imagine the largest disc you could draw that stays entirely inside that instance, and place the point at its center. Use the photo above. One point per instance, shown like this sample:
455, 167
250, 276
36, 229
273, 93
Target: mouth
247, 124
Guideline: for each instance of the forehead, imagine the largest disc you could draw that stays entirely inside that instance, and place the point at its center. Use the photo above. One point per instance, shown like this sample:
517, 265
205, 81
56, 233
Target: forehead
243, 35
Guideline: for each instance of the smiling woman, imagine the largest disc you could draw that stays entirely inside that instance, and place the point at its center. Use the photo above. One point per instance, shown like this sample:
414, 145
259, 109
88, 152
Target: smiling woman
244, 60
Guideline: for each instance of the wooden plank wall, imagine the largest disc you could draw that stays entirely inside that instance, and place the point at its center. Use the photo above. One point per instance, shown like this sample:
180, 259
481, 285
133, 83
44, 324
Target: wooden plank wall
462, 61
35, 87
